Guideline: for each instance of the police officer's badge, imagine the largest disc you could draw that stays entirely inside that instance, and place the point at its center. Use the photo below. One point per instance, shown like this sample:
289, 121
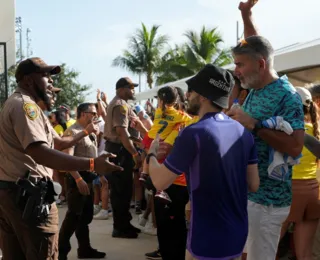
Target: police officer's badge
123, 110
31, 110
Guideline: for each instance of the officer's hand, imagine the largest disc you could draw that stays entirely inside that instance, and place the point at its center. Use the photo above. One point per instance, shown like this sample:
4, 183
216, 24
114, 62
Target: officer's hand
93, 127
103, 166
137, 161
83, 188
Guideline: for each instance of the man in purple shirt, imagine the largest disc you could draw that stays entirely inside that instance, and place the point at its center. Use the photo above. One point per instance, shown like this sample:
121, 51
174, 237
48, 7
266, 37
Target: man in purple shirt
220, 161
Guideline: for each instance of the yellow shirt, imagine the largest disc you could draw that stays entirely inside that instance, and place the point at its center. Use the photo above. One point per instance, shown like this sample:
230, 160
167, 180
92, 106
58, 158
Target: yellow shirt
59, 130
308, 166
70, 122
175, 132
164, 126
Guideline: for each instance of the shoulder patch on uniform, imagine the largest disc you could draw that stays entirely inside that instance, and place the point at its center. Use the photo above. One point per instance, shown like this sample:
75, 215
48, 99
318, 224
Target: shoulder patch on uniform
123, 109
31, 110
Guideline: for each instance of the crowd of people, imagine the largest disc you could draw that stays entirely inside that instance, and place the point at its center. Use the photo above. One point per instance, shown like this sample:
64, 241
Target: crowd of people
227, 170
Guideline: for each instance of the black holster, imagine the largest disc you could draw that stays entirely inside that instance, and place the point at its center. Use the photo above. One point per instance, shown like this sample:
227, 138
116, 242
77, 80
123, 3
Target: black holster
35, 199
117, 149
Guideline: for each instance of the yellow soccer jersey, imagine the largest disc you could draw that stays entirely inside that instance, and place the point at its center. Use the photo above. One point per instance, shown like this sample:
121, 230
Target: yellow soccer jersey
175, 132
308, 165
164, 126
70, 122
59, 130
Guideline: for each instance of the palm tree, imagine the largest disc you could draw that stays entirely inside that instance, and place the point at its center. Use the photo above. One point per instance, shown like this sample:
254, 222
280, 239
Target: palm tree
189, 58
144, 52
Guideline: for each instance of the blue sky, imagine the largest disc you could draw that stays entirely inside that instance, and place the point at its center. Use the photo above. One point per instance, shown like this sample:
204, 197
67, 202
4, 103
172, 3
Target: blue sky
88, 35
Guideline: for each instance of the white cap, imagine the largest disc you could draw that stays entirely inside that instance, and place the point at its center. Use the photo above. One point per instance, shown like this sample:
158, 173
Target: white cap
305, 95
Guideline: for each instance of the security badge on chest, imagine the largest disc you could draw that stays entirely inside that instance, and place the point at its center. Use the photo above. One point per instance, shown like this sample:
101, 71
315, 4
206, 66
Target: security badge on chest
31, 110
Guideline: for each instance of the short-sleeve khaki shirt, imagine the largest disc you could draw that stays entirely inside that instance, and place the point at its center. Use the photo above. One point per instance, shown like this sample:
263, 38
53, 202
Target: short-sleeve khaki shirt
119, 114
87, 146
22, 123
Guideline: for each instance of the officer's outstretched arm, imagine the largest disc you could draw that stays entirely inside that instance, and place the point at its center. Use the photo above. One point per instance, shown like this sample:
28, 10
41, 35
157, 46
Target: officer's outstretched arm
65, 142
69, 139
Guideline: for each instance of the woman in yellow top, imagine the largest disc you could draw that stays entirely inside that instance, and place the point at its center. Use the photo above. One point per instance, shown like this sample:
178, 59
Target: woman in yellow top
305, 187
58, 121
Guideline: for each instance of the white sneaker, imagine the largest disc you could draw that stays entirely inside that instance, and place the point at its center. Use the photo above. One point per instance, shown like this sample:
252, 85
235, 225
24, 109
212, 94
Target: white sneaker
102, 215
142, 221
150, 230
96, 209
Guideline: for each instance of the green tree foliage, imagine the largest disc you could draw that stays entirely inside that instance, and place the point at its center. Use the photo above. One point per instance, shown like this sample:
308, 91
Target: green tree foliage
144, 52
186, 60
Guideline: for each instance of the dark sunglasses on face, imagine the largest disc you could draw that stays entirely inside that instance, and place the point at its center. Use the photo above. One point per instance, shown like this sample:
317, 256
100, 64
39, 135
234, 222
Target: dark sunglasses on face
92, 113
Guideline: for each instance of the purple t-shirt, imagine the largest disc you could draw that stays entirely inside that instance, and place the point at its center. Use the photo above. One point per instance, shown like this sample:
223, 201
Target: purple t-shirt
214, 153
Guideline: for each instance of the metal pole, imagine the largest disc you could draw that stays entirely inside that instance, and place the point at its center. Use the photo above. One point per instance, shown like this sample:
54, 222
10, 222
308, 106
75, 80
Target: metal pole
19, 29
237, 32
29, 49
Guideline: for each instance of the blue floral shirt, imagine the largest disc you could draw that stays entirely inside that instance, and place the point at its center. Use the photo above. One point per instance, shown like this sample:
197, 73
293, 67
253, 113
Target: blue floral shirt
276, 99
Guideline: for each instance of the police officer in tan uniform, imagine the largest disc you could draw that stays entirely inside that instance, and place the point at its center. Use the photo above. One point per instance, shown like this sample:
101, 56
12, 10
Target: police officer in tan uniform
28, 214
79, 190
119, 115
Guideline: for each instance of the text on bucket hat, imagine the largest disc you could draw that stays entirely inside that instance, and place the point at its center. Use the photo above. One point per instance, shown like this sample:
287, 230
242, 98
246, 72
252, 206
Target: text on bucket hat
213, 83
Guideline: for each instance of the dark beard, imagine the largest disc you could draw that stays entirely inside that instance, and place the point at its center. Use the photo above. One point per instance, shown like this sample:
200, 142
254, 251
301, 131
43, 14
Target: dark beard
133, 97
193, 109
44, 97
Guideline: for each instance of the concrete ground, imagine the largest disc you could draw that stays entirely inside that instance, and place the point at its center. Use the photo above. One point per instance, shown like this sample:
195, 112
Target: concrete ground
116, 248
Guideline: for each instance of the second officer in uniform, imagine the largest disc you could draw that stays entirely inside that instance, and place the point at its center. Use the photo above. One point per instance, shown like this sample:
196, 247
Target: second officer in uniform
79, 190
119, 116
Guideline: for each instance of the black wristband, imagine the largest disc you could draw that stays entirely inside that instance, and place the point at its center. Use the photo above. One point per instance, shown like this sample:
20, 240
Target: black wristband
149, 156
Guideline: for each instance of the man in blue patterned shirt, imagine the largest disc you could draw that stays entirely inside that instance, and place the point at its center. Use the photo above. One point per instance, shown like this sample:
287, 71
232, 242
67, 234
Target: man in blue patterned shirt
269, 96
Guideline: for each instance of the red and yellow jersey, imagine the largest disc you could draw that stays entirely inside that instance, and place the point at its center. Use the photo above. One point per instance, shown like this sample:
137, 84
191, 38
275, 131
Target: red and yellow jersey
164, 126
175, 131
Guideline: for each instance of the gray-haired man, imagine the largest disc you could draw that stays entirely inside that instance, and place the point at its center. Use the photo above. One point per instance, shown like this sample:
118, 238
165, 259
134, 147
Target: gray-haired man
270, 96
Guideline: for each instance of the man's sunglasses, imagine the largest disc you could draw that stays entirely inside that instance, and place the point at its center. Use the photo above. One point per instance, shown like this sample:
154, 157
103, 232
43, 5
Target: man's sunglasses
92, 113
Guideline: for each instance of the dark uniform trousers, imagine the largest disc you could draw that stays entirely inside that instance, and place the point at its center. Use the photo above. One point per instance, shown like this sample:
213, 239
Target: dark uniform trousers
171, 223
121, 187
20, 240
77, 219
